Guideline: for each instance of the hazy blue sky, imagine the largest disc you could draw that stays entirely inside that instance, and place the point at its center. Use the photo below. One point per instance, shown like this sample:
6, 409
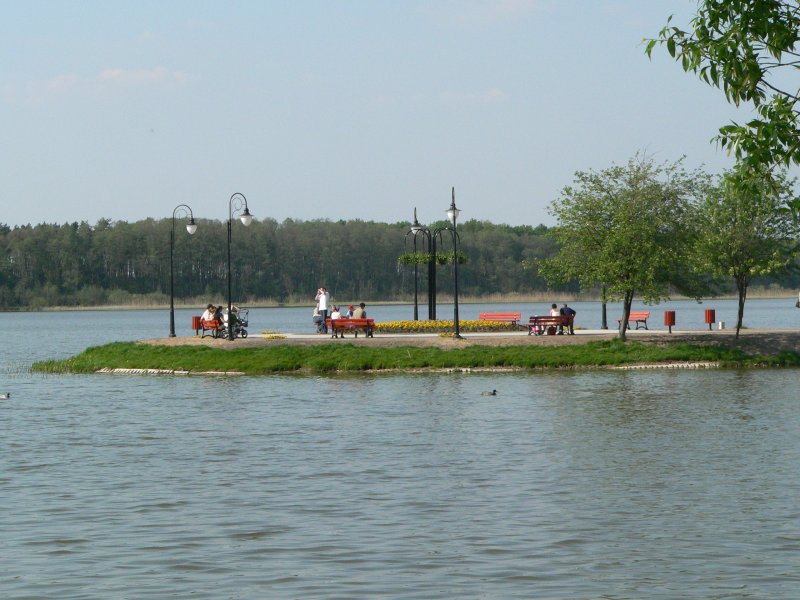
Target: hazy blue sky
334, 109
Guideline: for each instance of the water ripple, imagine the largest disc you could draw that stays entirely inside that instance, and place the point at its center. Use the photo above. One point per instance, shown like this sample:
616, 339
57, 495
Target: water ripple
589, 485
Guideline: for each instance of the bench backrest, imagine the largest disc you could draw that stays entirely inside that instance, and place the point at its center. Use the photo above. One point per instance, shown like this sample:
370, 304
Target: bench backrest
639, 315
557, 319
365, 322
502, 316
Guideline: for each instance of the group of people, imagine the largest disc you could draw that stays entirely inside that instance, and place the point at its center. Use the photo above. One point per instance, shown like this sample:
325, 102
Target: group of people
323, 305
212, 313
564, 311
218, 313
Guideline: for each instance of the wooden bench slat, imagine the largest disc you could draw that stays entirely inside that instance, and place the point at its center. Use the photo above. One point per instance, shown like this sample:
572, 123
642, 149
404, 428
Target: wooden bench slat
504, 317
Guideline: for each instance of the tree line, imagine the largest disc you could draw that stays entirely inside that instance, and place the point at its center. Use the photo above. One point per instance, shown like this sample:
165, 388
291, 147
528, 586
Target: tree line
119, 263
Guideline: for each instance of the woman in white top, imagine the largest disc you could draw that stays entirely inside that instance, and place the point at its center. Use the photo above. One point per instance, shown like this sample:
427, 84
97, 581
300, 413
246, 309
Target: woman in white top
208, 314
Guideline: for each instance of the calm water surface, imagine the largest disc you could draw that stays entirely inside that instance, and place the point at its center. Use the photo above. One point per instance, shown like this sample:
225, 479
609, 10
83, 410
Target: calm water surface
658, 484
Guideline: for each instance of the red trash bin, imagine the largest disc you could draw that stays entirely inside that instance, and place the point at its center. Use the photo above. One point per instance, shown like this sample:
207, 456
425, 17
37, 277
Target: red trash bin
710, 317
196, 324
669, 319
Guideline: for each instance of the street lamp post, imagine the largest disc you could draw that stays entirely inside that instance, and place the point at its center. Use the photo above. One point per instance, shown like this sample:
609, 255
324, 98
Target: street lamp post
235, 204
191, 227
418, 229
452, 214
431, 276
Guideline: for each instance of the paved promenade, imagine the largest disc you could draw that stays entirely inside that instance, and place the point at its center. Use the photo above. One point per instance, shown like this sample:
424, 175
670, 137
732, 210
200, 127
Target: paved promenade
762, 341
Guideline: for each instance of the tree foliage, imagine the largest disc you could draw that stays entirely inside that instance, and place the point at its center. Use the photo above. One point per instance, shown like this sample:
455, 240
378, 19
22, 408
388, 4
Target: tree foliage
746, 230
628, 227
77, 264
746, 48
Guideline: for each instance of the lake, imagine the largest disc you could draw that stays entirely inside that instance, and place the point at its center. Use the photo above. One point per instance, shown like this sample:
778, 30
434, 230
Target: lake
614, 485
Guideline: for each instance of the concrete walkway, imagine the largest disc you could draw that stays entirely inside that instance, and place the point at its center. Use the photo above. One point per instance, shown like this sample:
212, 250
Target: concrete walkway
475, 335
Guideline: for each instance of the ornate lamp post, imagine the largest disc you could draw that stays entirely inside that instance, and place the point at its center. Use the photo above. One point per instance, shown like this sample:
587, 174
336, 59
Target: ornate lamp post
418, 229
191, 227
235, 204
452, 214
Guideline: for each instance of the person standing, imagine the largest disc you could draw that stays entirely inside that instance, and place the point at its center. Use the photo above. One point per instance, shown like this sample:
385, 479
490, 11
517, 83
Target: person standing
323, 298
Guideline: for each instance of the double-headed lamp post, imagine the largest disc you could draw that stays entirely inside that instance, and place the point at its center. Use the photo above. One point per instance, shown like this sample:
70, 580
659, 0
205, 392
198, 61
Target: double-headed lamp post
452, 214
191, 227
417, 229
235, 204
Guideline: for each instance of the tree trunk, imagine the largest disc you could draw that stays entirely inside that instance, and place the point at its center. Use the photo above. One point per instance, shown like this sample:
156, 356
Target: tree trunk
626, 312
604, 315
741, 286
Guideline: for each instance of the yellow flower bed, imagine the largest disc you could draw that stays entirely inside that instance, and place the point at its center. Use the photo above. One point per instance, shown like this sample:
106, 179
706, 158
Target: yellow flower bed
442, 326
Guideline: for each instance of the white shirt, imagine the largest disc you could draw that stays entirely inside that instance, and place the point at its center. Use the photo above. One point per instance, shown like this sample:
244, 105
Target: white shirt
323, 298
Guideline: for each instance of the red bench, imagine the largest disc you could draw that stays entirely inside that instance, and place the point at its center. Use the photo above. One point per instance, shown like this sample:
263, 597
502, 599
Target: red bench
215, 326
503, 317
338, 327
548, 324
636, 318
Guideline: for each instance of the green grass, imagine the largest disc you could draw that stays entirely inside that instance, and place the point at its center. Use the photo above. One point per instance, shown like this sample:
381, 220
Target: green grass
347, 357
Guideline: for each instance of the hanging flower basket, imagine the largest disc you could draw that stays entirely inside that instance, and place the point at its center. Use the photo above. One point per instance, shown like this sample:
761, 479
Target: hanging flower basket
444, 258
423, 258
414, 258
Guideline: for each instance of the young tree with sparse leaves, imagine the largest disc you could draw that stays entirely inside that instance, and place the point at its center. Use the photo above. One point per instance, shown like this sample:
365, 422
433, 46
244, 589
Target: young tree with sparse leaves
746, 230
627, 227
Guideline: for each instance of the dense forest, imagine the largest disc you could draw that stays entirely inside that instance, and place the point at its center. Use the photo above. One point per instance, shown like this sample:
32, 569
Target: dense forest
78, 264
120, 263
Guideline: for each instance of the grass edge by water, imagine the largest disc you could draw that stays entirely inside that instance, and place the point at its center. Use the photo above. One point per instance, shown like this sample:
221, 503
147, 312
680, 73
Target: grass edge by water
288, 358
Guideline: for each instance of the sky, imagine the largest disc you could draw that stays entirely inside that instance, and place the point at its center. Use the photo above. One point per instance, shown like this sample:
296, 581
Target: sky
334, 109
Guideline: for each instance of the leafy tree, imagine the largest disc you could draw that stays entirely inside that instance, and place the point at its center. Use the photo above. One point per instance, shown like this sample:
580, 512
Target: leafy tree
746, 230
627, 227
747, 49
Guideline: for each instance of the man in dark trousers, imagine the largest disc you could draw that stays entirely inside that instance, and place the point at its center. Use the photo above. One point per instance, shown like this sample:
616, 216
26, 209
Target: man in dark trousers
566, 311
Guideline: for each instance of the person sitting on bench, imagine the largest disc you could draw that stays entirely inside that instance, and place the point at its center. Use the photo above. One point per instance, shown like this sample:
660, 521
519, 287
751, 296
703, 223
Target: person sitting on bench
208, 313
567, 311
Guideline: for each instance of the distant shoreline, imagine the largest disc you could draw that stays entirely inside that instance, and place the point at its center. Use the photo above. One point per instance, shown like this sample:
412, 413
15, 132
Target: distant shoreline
537, 298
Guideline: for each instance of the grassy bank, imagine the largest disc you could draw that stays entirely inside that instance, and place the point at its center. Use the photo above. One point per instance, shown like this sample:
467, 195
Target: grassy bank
287, 358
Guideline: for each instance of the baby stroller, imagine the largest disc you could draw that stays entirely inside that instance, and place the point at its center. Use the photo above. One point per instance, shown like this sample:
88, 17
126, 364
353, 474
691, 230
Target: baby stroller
240, 316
